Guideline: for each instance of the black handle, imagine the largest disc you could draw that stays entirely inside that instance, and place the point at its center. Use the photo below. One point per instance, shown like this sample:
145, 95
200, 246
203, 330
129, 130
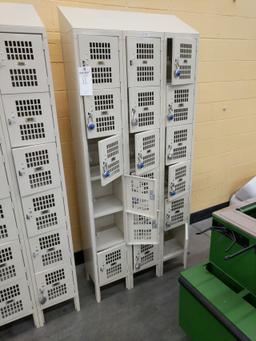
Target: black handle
220, 229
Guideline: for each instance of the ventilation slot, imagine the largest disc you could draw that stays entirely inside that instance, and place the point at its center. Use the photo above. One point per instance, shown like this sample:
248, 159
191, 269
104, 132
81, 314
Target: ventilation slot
147, 259
28, 107
49, 241
179, 153
114, 270
55, 276
52, 257
177, 204
47, 220
100, 51
106, 123
104, 102
144, 234
19, 50
146, 119
181, 95
112, 257
186, 51
180, 136
36, 159
3, 232
149, 142
57, 291
112, 149
9, 293
144, 248
145, 99
145, 73
180, 114
177, 218
11, 309
7, 273
180, 172
32, 131
145, 51
101, 75
1, 212
23, 77
6, 255
44, 202
185, 71
149, 159
40, 179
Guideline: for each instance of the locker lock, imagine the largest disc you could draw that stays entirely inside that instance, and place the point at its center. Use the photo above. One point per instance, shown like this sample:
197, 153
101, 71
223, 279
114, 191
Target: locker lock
177, 71
11, 120
106, 172
91, 124
170, 115
169, 153
172, 190
21, 172
134, 119
140, 163
172, 193
42, 298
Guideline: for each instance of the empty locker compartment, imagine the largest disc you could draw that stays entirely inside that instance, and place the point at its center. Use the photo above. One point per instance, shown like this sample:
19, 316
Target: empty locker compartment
4, 190
178, 179
54, 286
176, 242
144, 256
49, 250
8, 227
180, 107
103, 113
15, 301
178, 144
37, 168
44, 212
141, 229
22, 65
112, 264
101, 54
29, 119
181, 61
176, 212
143, 61
144, 108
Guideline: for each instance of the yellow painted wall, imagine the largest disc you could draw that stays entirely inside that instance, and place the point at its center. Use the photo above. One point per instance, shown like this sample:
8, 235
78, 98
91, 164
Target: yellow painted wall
225, 146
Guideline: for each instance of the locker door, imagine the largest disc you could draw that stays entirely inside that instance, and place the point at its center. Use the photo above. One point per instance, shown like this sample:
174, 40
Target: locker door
110, 158
176, 212
180, 107
143, 60
141, 229
141, 196
178, 179
178, 144
183, 61
144, 108
8, 228
146, 151
144, 256
37, 168
101, 53
22, 64
29, 118
103, 113
4, 190
44, 212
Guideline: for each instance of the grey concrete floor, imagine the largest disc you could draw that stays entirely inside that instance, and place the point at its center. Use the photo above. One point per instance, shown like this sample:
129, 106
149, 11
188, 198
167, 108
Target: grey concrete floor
147, 312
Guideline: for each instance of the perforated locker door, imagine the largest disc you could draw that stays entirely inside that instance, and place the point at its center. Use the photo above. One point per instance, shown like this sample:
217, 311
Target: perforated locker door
11, 262
144, 256
143, 61
183, 61
141, 196
8, 227
180, 107
178, 144
101, 53
144, 108
15, 301
146, 151
55, 286
44, 212
103, 113
4, 190
29, 118
178, 179
112, 264
110, 158
153, 174
22, 64
37, 168
176, 212
49, 250
141, 229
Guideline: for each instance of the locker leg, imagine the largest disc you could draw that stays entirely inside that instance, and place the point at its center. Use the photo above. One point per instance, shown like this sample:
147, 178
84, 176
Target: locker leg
39, 319
185, 256
77, 302
159, 269
97, 294
87, 276
129, 282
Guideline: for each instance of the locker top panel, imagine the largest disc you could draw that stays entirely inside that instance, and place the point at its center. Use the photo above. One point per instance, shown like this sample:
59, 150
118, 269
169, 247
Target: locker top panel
21, 18
92, 19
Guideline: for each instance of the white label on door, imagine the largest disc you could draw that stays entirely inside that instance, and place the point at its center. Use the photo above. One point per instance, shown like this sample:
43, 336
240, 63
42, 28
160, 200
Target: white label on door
85, 80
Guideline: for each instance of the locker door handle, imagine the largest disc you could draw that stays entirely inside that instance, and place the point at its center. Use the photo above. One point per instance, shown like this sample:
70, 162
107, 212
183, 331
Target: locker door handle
21, 172
2, 265
38, 169
9, 302
51, 249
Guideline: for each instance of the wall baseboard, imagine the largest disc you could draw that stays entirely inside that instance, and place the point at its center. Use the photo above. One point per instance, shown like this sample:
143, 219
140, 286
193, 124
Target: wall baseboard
194, 218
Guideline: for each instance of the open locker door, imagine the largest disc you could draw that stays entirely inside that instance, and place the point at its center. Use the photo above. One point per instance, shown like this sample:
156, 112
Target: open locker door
141, 210
110, 159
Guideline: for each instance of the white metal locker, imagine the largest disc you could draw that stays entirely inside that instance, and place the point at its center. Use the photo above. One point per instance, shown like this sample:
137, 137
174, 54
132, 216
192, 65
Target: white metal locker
44, 212
8, 227
101, 54
146, 151
141, 230
144, 108
178, 179
180, 105
29, 118
49, 250
4, 190
141, 196
11, 262
144, 256
103, 113
183, 61
112, 264
110, 158
15, 301
55, 286
176, 212
178, 144
143, 61
37, 168
22, 64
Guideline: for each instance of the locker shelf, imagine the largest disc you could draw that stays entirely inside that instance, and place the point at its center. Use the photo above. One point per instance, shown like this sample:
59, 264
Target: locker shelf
172, 249
107, 205
108, 238
95, 173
